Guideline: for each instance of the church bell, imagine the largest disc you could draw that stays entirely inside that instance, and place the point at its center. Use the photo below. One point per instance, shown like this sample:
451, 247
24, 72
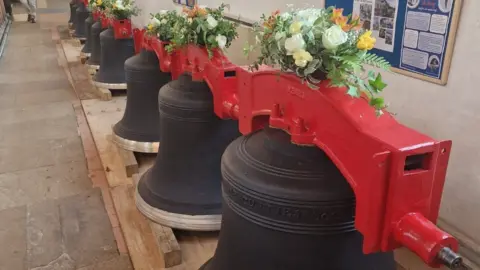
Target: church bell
182, 190
87, 47
287, 207
73, 9
114, 53
81, 14
138, 130
93, 63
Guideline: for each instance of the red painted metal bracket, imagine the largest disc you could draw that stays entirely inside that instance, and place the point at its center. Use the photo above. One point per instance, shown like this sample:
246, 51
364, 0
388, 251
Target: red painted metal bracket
397, 173
122, 29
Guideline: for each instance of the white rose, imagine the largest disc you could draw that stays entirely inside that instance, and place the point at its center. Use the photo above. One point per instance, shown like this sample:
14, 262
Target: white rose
334, 37
164, 21
294, 43
119, 5
280, 35
154, 21
189, 20
212, 23
163, 12
222, 41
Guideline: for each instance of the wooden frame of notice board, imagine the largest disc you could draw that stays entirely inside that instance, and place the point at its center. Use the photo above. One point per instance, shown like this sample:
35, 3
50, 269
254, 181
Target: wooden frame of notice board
423, 59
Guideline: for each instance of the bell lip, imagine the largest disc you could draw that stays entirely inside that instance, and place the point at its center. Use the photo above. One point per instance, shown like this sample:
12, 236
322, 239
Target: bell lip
178, 221
89, 66
115, 86
135, 146
84, 54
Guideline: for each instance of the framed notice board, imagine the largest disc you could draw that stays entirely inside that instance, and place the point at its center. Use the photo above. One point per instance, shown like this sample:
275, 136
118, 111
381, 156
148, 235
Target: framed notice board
416, 36
188, 3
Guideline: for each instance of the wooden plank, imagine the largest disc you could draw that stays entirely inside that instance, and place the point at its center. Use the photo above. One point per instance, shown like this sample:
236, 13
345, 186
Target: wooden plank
139, 237
129, 161
168, 245
101, 117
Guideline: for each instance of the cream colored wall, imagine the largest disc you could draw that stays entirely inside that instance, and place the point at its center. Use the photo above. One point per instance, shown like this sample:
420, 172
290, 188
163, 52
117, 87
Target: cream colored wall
443, 112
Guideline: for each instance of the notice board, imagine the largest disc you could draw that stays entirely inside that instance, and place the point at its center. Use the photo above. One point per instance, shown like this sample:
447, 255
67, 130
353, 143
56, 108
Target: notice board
416, 36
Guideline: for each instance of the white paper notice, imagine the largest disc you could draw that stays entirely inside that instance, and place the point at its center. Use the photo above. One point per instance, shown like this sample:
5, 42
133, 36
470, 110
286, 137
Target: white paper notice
415, 58
418, 20
379, 16
410, 39
439, 24
430, 42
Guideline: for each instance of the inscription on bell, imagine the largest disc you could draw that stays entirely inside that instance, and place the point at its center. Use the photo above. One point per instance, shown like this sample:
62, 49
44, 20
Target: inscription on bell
307, 214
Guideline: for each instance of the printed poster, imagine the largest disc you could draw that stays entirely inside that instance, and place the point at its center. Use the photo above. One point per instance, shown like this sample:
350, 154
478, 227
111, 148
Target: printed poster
425, 36
188, 3
380, 16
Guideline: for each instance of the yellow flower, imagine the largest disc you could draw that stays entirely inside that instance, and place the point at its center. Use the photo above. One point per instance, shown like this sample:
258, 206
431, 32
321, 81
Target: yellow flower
150, 26
295, 27
99, 2
366, 41
302, 58
114, 6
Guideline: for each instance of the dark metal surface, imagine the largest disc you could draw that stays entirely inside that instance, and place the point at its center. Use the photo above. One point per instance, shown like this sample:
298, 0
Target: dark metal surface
287, 207
95, 44
73, 11
87, 48
185, 178
114, 53
81, 15
144, 79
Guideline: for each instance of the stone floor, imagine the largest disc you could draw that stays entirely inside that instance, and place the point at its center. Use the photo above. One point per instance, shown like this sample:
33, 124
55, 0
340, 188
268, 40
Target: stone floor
50, 215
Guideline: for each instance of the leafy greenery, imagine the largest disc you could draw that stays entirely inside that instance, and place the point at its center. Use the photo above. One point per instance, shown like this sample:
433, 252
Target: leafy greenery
123, 9
203, 27
163, 24
100, 5
312, 42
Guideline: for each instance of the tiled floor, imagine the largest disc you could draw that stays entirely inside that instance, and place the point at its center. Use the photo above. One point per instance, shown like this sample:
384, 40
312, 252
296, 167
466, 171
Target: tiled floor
50, 215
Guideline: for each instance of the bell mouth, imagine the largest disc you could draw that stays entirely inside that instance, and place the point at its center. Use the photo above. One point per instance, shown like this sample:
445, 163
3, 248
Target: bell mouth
118, 86
136, 146
178, 221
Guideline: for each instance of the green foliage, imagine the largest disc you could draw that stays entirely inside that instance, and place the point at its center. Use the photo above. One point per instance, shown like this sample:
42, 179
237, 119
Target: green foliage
123, 9
311, 41
204, 27
163, 24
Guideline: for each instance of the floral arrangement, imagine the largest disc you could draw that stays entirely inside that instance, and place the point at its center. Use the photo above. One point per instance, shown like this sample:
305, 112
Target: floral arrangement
99, 5
321, 44
203, 27
123, 9
162, 24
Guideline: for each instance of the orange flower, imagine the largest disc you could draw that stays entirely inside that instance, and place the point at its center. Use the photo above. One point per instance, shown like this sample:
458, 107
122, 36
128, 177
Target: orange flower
341, 21
337, 12
195, 11
271, 20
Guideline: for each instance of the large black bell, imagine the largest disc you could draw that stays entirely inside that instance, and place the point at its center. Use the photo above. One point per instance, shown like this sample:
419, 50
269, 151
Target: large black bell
182, 190
139, 130
87, 48
114, 53
73, 9
93, 62
81, 15
287, 207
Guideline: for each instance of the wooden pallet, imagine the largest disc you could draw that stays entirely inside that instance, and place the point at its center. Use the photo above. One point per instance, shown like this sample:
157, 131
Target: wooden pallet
150, 245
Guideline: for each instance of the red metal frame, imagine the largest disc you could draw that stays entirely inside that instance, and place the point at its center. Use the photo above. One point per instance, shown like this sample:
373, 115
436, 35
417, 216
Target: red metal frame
397, 173
105, 21
96, 15
122, 29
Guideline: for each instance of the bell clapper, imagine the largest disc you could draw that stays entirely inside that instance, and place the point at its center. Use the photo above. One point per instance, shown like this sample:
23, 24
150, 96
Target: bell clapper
451, 259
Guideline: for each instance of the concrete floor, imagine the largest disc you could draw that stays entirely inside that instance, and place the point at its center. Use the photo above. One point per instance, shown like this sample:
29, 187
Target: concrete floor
50, 215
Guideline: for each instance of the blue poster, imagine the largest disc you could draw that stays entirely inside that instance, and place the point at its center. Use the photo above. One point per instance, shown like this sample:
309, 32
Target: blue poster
411, 34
